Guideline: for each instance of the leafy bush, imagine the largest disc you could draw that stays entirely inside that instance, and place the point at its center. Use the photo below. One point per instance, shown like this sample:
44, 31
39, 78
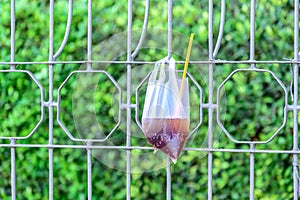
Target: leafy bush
274, 41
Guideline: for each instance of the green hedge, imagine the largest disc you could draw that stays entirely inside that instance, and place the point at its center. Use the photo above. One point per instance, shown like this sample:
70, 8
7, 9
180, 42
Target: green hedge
251, 103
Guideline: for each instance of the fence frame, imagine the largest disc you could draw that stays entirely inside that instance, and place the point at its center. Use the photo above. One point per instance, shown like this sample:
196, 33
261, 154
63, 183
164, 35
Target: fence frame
128, 106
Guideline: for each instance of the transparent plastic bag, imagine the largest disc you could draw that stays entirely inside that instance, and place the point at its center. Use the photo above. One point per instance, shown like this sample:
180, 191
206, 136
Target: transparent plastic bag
166, 114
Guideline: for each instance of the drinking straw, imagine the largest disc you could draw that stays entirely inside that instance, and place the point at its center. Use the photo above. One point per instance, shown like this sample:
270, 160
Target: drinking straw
186, 65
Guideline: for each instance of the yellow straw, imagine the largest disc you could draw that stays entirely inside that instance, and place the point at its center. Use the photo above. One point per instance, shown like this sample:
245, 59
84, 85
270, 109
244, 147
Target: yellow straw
186, 65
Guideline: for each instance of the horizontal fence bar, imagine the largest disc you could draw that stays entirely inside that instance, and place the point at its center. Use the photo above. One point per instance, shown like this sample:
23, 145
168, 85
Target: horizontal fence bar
204, 105
146, 148
153, 62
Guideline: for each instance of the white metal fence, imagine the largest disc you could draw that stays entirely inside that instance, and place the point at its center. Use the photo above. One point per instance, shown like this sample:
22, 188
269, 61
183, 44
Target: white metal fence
127, 106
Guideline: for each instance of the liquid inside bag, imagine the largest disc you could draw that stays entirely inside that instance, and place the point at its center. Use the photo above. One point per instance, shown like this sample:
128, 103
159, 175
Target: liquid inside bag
166, 114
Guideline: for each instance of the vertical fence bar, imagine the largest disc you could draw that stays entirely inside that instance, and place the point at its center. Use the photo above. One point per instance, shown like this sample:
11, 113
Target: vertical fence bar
89, 67
252, 31
89, 172
295, 111
89, 35
12, 59
170, 29
169, 179
50, 71
12, 32
13, 169
252, 58
128, 101
51, 31
252, 172
210, 99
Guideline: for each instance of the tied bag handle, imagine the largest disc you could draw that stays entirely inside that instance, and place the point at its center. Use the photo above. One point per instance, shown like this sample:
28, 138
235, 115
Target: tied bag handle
173, 85
173, 77
155, 89
160, 64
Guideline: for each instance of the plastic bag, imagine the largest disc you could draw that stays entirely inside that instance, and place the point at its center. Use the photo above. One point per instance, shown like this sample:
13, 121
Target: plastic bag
166, 114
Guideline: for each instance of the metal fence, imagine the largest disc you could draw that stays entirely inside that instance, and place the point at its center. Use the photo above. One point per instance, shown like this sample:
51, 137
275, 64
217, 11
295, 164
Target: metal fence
128, 106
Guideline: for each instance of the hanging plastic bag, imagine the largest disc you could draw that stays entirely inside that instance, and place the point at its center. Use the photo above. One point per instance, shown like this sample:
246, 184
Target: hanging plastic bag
166, 114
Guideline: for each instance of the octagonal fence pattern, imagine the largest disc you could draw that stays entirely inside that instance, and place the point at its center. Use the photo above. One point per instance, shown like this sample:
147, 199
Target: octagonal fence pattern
212, 105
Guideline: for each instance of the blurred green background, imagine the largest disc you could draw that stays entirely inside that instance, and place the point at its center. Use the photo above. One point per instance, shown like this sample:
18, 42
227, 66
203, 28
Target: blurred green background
251, 103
